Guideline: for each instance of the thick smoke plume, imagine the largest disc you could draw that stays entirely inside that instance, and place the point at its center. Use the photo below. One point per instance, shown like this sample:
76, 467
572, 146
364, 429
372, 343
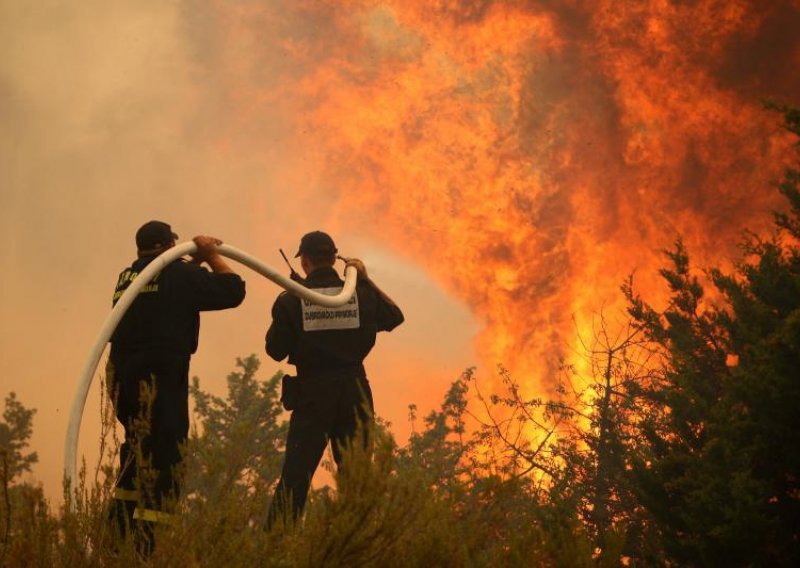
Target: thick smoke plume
531, 154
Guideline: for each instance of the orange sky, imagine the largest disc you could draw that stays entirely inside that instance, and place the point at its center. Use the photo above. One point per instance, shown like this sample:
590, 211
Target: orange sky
500, 166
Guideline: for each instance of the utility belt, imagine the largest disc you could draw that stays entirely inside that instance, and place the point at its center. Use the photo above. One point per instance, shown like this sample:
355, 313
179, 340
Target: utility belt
172, 348
291, 386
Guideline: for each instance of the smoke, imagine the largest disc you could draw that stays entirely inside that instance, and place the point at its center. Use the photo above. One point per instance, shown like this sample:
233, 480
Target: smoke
527, 155
531, 155
112, 114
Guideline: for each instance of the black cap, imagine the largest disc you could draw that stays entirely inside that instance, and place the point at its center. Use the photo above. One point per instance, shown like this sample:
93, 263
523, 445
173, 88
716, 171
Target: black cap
316, 243
154, 234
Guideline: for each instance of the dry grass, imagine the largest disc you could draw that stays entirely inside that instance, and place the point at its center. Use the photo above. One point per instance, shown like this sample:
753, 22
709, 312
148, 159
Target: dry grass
391, 507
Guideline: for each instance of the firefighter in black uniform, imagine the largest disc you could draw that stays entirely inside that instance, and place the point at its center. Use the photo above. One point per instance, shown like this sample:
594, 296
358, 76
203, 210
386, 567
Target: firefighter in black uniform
330, 397
148, 370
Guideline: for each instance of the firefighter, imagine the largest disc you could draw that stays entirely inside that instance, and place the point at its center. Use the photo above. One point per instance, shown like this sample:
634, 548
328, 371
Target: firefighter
148, 371
330, 397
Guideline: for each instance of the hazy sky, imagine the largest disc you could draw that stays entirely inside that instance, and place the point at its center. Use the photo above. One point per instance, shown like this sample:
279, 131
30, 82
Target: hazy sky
105, 123
501, 167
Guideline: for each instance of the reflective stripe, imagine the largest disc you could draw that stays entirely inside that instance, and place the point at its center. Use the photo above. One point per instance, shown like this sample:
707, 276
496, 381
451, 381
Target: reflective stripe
126, 494
153, 516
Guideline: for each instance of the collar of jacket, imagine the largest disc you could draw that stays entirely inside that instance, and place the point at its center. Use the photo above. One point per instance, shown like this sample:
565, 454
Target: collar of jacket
141, 262
325, 276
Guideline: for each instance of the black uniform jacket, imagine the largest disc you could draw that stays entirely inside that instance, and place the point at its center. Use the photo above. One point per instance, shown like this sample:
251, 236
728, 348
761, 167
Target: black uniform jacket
324, 353
165, 314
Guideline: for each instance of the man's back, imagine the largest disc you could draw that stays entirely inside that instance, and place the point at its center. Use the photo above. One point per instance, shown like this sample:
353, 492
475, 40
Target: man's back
165, 314
329, 341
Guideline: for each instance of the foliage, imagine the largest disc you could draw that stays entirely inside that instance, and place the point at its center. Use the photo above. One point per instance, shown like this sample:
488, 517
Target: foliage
720, 470
15, 432
573, 452
232, 464
240, 443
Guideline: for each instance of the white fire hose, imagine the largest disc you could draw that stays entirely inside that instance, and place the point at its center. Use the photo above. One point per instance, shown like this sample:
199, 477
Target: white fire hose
124, 302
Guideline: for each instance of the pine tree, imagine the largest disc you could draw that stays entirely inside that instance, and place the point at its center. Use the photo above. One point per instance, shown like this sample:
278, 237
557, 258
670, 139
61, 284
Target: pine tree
239, 446
16, 429
15, 432
720, 467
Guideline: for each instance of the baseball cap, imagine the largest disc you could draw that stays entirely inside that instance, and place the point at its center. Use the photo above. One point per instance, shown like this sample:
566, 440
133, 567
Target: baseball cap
316, 243
154, 234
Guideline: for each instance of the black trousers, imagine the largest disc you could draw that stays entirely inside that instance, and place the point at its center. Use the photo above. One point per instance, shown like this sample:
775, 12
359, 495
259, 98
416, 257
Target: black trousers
150, 390
330, 409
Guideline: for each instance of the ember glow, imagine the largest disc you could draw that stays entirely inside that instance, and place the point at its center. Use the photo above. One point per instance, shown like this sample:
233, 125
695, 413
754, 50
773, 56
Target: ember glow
530, 155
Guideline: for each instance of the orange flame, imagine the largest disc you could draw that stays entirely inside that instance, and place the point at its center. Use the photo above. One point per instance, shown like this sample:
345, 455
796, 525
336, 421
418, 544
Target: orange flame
531, 154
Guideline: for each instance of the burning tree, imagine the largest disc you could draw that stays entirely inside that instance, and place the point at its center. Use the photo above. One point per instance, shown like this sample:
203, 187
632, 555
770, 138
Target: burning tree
577, 448
677, 440
720, 467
